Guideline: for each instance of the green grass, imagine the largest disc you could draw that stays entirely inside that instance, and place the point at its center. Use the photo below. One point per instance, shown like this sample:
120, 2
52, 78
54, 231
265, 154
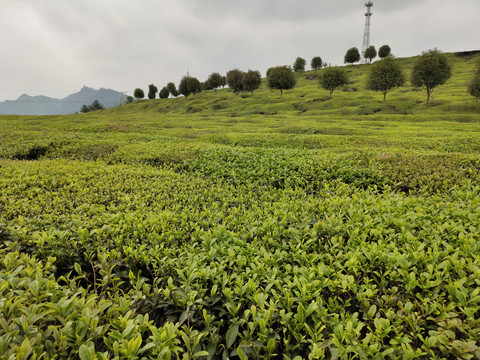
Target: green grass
250, 226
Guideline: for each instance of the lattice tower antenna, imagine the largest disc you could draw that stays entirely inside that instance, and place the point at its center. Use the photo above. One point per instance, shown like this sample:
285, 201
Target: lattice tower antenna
366, 33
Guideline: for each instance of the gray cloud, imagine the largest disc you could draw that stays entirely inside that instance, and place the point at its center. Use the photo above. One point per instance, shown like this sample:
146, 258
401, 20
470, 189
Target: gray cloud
61, 45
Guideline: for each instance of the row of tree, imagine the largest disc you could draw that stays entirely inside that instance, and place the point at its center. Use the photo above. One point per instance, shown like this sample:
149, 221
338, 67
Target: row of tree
250, 81
352, 56
431, 70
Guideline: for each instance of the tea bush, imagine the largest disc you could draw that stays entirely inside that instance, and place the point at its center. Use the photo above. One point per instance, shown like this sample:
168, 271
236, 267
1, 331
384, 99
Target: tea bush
257, 228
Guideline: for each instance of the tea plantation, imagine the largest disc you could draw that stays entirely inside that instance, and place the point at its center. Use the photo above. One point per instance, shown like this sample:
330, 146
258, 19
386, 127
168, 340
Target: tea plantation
246, 227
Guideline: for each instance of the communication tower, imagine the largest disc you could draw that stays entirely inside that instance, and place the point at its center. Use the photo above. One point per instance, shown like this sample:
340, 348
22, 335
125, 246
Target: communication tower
366, 33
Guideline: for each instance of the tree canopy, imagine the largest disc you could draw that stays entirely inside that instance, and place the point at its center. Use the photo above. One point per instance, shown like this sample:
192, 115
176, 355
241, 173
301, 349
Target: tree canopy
316, 63
152, 91
370, 53
352, 56
299, 64
94, 106
332, 77
281, 78
474, 86
189, 85
384, 51
138, 93
252, 80
172, 89
431, 70
235, 80
385, 75
215, 80
164, 93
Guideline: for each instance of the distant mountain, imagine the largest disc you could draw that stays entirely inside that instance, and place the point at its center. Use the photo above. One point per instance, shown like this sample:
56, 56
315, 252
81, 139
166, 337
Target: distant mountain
44, 105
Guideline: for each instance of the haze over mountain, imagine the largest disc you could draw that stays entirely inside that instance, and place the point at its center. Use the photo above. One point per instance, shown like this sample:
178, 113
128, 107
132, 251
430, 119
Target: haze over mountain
44, 105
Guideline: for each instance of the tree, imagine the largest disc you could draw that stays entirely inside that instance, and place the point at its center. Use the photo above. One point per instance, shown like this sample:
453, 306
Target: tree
189, 85
299, 64
352, 56
138, 93
214, 81
172, 89
252, 80
152, 91
333, 77
94, 106
385, 75
130, 99
370, 53
384, 51
235, 80
316, 63
164, 93
474, 86
281, 78
431, 70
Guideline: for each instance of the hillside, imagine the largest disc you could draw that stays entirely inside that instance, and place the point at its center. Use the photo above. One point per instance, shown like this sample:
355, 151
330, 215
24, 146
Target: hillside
44, 105
246, 227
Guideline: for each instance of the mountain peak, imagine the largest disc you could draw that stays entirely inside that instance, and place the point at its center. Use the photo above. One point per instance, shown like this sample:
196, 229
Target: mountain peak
43, 105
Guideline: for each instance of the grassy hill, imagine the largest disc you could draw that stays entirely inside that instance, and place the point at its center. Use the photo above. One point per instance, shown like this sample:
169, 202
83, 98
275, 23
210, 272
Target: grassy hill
251, 226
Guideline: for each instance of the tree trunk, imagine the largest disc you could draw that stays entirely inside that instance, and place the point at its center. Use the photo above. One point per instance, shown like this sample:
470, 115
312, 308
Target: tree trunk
384, 96
429, 92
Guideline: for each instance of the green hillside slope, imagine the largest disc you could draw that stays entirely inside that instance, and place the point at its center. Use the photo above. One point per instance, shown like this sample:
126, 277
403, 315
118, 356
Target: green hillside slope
246, 227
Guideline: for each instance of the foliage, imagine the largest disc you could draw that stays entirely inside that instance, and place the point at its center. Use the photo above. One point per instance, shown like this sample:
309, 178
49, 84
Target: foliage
384, 51
431, 70
164, 93
332, 77
352, 56
172, 89
189, 85
474, 86
316, 63
138, 93
215, 80
385, 75
152, 91
252, 80
259, 228
370, 53
299, 64
94, 106
235, 80
281, 78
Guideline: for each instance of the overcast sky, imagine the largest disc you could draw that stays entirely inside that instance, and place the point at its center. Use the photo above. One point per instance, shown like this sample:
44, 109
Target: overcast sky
54, 47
